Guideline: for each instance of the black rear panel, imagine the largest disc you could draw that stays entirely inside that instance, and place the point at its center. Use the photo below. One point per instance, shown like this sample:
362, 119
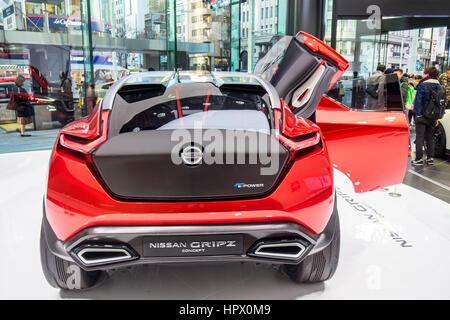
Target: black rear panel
192, 140
139, 165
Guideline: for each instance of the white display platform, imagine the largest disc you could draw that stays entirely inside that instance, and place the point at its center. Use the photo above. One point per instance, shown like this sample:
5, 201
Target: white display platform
391, 248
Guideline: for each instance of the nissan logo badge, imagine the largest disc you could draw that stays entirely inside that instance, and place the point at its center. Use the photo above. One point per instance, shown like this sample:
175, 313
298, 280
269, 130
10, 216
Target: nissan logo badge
192, 155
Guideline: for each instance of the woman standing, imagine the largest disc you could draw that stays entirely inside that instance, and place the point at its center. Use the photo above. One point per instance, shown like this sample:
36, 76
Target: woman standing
23, 107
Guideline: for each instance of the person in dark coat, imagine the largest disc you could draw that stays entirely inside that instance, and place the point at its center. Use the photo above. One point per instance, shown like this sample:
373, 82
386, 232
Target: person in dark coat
375, 89
389, 71
425, 127
24, 109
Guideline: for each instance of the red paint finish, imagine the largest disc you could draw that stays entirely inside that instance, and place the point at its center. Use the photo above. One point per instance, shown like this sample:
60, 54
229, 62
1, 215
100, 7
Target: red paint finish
371, 148
36, 74
88, 132
86, 128
294, 126
318, 46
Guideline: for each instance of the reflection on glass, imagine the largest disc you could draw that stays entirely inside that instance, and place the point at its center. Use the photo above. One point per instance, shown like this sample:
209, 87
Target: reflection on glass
358, 93
190, 105
49, 63
268, 26
71, 67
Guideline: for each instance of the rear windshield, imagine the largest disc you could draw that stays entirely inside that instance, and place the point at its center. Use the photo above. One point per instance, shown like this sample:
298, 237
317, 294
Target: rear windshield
191, 106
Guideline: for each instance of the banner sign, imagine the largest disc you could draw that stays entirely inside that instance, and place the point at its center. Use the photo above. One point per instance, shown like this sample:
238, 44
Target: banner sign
78, 58
158, 18
65, 22
8, 11
14, 55
9, 18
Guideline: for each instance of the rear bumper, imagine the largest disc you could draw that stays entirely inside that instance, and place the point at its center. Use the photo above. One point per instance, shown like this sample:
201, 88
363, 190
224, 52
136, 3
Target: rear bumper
130, 238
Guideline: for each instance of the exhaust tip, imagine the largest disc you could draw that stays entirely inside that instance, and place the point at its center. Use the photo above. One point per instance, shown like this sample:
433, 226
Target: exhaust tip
287, 249
103, 254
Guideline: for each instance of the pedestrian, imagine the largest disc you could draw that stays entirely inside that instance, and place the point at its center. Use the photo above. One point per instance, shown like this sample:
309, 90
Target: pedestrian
20, 101
411, 80
425, 126
66, 91
406, 89
66, 83
375, 88
444, 80
417, 80
389, 70
358, 91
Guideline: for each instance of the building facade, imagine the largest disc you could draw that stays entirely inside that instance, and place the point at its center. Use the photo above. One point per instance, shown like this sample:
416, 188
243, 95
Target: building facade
93, 43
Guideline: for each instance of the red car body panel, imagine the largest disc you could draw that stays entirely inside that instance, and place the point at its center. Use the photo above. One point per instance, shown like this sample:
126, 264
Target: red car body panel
359, 143
370, 148
76, 200
124, 190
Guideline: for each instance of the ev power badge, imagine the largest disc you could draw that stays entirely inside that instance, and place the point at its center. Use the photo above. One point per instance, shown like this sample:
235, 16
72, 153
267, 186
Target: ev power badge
248, 185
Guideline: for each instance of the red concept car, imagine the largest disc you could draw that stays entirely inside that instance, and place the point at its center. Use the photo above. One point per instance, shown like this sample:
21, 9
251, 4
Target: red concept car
176, 167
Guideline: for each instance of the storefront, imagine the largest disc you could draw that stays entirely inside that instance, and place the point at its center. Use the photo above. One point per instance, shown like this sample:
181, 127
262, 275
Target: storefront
401, 34
94, 43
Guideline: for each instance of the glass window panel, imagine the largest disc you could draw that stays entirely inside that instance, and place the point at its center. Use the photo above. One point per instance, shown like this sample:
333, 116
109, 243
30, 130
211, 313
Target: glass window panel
73, 71
52, 66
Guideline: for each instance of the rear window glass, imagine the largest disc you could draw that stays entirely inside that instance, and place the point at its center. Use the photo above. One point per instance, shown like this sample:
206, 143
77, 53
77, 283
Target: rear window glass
194, 106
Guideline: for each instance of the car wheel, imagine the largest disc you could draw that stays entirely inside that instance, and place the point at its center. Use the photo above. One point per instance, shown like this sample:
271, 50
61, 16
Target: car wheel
319, 266
64, 274
439, 141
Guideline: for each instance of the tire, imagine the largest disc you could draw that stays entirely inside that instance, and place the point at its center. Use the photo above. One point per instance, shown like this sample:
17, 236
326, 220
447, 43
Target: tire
64, 274
319, 266
439, 141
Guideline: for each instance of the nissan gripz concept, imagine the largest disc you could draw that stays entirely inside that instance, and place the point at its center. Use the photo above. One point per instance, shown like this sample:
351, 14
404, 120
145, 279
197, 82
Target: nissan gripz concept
185, 167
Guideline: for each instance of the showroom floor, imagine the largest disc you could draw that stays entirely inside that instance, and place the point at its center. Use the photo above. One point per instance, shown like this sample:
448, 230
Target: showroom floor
39, 140
434, 179
394, 245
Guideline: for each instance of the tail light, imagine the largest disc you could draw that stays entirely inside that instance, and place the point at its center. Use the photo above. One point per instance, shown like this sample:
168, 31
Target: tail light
85, 134
294, 132
78, 140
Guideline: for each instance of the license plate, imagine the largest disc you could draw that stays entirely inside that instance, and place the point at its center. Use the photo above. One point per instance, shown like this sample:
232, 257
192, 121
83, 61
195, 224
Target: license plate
198, 245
